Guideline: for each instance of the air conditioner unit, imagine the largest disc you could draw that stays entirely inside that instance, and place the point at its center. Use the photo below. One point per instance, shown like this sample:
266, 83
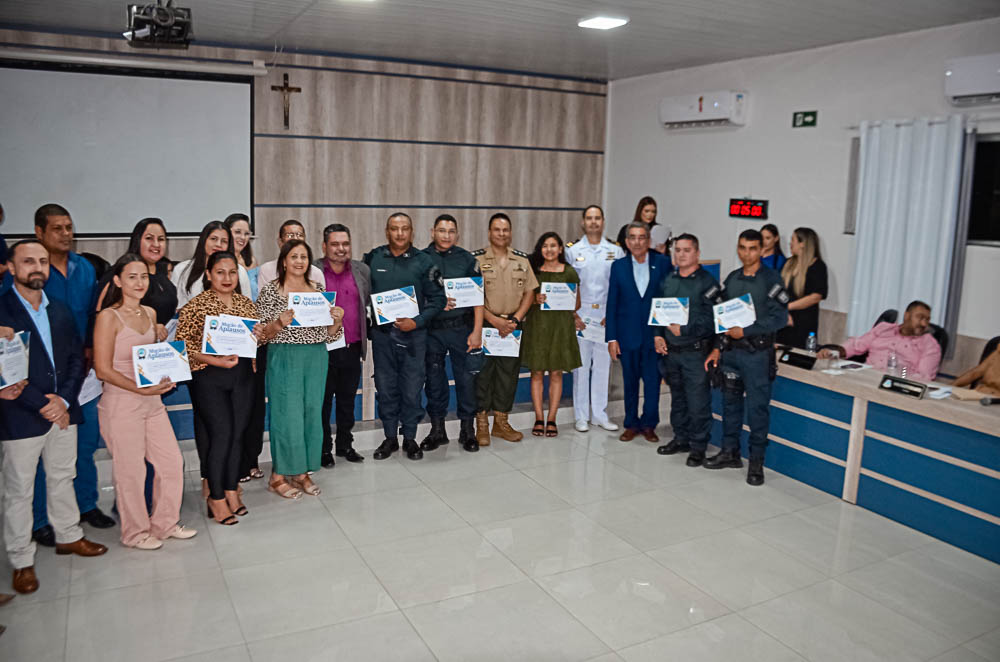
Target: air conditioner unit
970, 81
727, 108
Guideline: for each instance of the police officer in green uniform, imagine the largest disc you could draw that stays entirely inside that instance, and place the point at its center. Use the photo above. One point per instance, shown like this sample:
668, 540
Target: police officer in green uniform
398, 348
509, 288
748, 363
683, 349
457, 332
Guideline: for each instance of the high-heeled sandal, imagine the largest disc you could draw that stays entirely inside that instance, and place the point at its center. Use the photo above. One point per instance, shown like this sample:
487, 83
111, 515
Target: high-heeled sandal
283, 489
256, 473
538, 429
228, 520
551, 430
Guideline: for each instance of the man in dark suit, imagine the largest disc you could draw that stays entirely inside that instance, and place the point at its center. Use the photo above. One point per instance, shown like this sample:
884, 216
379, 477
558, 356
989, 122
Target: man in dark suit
635, 280
42, 421
351, 280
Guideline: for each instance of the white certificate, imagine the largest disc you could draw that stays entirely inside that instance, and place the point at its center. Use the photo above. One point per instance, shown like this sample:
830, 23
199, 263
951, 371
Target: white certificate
14, 359
669, 310
340, 342
158, 360
735, 312
311, 308
227, 334
593, 331
559, 296
92, 388
495, 345
467, 292
392, 305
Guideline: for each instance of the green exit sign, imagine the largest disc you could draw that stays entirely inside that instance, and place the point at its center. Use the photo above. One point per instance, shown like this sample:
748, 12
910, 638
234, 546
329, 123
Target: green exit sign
804, 118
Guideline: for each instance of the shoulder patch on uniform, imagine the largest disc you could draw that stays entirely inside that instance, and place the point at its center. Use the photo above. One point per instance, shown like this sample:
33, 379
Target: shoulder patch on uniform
713, 292
570, 243
778, 292
478, 252
519, 253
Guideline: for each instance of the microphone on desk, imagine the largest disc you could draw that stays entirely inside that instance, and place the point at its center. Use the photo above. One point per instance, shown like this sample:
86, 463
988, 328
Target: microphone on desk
987, 401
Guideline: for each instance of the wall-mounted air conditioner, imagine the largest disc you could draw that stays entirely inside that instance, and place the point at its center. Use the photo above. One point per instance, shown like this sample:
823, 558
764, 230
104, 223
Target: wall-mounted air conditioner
727, 108
970, 81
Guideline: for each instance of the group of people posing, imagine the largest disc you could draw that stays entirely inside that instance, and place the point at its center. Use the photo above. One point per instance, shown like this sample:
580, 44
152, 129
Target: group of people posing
78, 321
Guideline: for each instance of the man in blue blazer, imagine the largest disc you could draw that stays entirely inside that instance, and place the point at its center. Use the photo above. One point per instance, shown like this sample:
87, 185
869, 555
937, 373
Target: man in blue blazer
635, 280
41, 422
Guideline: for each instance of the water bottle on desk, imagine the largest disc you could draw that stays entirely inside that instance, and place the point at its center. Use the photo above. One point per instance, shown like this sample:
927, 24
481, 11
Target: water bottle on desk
811, 343
892, 366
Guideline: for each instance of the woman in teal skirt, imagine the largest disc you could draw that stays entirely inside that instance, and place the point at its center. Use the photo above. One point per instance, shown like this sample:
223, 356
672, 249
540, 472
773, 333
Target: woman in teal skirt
548, 343
296, 375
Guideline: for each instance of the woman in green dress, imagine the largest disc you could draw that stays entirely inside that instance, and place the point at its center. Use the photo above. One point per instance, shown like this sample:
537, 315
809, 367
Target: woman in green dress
549, 340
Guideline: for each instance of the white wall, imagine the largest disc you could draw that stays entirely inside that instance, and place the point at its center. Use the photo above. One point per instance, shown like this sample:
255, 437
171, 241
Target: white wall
803, 172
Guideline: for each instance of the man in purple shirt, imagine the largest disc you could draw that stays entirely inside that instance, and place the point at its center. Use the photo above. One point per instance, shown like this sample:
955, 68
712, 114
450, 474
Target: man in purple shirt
916, 350
351, 281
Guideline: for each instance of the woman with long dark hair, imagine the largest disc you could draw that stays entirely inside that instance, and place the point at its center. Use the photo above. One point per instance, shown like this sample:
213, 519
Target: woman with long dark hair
188, 275
221, 386
806, 282
548, 343
149, 241
296, 374
771, 255
645, 212
133, 420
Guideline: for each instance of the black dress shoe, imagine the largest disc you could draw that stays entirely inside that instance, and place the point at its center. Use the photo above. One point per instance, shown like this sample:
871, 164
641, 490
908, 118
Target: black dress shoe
97, 519
725, 458
44, 536
327, 461
388, 447
755, 474
412, 450
695, 458
675, 446
351, 455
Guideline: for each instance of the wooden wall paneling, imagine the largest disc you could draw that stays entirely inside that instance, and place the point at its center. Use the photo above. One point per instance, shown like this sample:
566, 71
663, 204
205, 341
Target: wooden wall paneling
298, 170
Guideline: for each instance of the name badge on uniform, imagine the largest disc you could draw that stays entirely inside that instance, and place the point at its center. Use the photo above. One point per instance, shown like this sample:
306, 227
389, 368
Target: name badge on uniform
580, 258
610, 257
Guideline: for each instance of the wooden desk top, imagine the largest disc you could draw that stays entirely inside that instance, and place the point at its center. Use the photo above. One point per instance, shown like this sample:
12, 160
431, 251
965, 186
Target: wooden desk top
864, 384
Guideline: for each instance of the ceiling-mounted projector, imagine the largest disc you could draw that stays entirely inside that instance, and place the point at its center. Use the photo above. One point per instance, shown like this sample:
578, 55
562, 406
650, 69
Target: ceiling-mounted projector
158, 25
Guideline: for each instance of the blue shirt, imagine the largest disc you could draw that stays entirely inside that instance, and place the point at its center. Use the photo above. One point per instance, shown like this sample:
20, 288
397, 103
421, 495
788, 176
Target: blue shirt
640, 272
40, 318
78, 290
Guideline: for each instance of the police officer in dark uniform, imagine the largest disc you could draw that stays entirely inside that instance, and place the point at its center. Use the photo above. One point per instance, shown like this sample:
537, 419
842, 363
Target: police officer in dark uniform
748, 363
684, 348
399, 348
455, 331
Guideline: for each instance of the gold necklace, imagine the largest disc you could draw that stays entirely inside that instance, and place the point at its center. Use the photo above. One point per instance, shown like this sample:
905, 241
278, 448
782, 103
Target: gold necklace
136, 312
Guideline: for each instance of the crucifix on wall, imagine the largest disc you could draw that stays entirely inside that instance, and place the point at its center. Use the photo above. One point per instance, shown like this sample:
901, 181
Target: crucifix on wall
286, 95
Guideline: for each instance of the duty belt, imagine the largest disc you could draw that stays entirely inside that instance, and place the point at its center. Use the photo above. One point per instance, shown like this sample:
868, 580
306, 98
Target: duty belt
697, 346
754, 343
464, 320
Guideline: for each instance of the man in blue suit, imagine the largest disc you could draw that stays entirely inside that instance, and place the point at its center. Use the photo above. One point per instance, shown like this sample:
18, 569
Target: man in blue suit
41, 422
635, 280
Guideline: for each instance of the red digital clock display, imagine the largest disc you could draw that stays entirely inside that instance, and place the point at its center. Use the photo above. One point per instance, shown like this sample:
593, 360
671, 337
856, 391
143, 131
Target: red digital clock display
745, 208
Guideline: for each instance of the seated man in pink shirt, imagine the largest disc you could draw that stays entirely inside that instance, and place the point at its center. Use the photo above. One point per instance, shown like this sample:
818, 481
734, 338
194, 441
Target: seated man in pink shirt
915, 348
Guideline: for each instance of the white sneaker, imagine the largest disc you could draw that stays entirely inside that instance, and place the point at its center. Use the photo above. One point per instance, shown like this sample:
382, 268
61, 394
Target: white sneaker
181, 532
609, 426
581, 425
149, 543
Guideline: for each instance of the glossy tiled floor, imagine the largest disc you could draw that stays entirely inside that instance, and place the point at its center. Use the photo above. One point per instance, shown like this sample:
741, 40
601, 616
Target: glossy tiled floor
575, 548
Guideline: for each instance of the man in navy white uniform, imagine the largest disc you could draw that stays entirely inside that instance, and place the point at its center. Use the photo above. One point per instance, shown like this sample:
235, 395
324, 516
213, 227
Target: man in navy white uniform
592, 256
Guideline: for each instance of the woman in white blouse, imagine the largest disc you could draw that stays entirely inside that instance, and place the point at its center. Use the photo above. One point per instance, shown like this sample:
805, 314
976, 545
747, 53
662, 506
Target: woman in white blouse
188, 276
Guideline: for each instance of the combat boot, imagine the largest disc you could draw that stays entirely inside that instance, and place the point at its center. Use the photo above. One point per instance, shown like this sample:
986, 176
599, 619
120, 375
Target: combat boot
483, 428
467, 436
502, 429
437, 437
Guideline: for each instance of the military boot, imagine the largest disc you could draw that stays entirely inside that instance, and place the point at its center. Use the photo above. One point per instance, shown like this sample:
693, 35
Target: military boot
437, 437
502, 429
483, 428
467, 436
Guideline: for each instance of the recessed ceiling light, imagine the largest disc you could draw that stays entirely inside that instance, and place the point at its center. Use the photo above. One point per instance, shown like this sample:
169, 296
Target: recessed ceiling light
602, 22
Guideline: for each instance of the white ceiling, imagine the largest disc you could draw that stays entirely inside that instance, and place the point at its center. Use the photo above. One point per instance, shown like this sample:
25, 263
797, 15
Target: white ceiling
528, 35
